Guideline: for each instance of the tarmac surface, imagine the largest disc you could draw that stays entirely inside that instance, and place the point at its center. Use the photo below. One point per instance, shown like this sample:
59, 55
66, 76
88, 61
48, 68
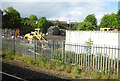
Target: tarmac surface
24, 74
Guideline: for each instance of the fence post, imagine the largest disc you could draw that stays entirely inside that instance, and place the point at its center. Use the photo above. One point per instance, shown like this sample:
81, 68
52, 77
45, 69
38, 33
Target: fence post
106, 61
118, 61
103, 57
35, 48
112, 58
81, 55
115, 59
93, 57
109, 60
14, 42
53, 47
63, 52
96, 57
77, 54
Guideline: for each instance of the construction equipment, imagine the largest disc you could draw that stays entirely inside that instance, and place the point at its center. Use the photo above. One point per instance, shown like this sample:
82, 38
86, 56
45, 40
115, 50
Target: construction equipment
36, 35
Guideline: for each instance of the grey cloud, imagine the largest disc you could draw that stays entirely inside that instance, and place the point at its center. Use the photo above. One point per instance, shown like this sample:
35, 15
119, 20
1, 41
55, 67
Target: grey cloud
67, 10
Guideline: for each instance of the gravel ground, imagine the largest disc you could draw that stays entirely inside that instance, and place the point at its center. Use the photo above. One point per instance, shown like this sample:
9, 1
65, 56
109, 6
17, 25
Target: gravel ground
30, 72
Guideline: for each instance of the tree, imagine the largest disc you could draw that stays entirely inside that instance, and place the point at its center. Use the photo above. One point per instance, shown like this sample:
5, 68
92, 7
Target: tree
43, 23
92, 19
105, 21
74, 27
113, 21
85, 26
26, 25
118, 18
109, 21
11, 18
33, 17
1, 15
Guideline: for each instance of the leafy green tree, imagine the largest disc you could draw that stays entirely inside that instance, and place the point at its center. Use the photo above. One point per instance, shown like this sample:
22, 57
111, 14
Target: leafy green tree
85, 26
109, 21
105, 21
11, 18
118, 18
26, 26
92, 19
44, 24
33, 17
74, 27
1, 15
113, 21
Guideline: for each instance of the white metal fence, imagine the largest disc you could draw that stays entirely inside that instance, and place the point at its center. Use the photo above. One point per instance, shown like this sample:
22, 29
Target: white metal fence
82, 56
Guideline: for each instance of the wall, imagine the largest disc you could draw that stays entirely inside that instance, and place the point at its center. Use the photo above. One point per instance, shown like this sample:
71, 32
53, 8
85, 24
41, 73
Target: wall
99, 38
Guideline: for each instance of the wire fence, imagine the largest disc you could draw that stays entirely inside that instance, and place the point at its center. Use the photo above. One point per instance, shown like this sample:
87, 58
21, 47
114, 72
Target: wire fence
92, 57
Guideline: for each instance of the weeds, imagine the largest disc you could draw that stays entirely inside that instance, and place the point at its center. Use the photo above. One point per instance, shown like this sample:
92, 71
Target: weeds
68, 67
9, 55
56, 64
104, 75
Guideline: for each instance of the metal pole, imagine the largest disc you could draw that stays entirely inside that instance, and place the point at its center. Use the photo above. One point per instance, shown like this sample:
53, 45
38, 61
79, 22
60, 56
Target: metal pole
112, 58
106, 61
86, 56
98, 57
109, 60
93, 57
81, 55
75, 52
101, 59
14, 42
35, 49
64, 52
118, 60
63, 45
115, 59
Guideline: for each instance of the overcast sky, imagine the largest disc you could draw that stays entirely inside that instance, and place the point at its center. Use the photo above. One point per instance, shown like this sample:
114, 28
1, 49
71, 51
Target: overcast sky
68, 10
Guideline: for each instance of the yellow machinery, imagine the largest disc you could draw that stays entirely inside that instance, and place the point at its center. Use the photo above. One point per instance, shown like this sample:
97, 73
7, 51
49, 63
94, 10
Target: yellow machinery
36, 35
106, 29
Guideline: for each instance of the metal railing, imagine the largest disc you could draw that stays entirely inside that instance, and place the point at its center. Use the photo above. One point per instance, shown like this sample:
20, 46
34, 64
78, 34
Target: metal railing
94, 57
